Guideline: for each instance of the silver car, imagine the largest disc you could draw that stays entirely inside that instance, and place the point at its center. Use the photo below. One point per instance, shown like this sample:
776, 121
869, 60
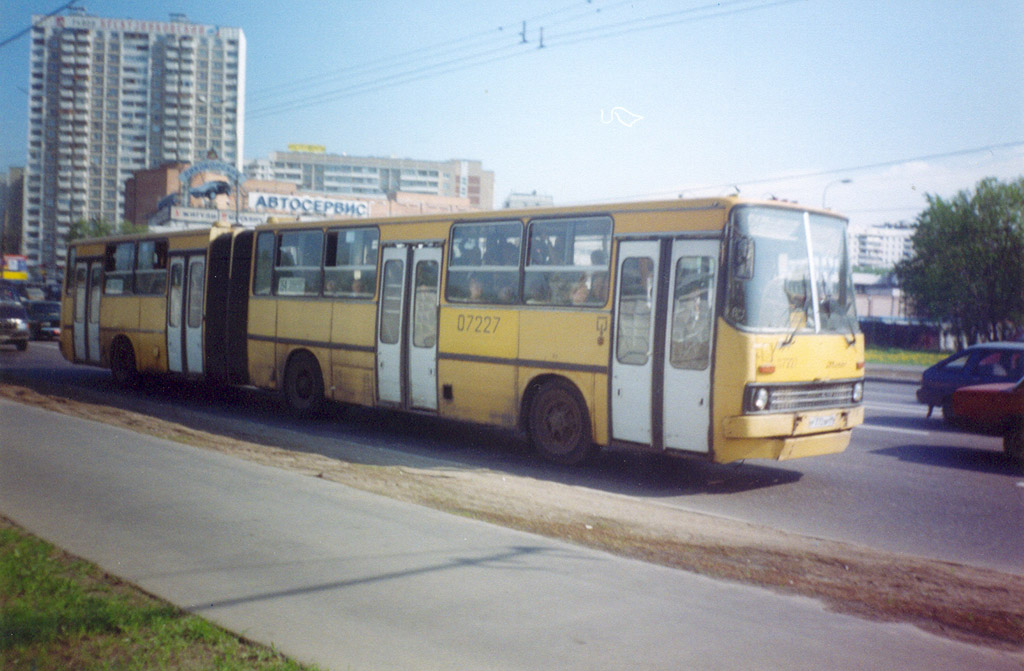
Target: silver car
13, 325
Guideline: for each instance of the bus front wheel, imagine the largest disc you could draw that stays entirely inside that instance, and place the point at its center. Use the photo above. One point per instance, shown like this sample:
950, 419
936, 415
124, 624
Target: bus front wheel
559, 424
303, 385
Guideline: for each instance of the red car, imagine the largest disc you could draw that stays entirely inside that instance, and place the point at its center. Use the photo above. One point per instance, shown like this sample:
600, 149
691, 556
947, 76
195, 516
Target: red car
995, 408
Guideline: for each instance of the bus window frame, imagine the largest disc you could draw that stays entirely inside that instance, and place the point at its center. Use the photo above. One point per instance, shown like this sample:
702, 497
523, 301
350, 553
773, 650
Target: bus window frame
563, 284
69, 275
160, 249
303, 270
481, 272
367, 270
111, 272
267, 266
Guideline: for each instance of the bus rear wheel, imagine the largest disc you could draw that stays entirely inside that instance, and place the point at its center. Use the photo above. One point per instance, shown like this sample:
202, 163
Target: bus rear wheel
559, 424
122, 363
304, 385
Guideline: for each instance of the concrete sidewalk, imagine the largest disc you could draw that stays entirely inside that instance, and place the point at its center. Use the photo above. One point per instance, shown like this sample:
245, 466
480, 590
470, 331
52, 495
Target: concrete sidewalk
350, 580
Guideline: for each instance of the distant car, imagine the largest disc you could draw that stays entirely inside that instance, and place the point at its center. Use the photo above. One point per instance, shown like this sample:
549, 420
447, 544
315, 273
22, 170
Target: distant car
13, 324
979, 364
995, 408
43, 319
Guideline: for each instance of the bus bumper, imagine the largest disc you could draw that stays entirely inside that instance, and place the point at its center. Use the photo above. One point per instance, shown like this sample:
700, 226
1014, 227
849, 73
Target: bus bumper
788, 435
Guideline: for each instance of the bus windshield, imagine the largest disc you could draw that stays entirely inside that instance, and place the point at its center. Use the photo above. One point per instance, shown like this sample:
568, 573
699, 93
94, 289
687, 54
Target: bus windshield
790, 272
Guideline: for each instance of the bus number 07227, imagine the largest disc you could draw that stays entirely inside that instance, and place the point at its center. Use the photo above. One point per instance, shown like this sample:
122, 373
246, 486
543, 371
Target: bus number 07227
477, 324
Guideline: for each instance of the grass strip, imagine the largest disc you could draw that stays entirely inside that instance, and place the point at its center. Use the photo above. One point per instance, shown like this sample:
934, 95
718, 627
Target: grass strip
59, 612
903, 357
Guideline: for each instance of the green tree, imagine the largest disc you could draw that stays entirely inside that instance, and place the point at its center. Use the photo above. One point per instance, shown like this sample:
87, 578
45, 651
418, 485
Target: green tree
100, 228
968, 263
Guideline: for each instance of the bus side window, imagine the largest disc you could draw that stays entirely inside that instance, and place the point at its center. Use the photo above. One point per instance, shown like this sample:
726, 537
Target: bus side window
299, 269
568, 262
151, 273
484, 263
119, 266
350, 266
264, 272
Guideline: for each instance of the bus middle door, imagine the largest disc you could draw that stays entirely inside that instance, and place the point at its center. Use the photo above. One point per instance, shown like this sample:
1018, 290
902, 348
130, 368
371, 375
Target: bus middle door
185, 314
407, 327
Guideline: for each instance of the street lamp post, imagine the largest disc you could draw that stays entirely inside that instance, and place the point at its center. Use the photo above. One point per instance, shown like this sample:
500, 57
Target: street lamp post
824, 192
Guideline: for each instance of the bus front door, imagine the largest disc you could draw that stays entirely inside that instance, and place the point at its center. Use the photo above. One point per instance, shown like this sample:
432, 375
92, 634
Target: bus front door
407, 327
88, 289
185, 314
688, 336
661, 373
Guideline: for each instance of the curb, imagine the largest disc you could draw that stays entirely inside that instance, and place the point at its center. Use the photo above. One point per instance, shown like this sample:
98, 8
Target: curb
893, 373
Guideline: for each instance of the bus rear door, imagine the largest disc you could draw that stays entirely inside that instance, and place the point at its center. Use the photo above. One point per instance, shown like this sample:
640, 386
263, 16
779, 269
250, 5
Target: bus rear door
88, 289
407, 327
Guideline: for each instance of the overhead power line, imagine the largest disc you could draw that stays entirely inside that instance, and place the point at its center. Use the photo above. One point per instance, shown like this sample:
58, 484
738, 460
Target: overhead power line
17, 35
444, 48
830, 172
405, 68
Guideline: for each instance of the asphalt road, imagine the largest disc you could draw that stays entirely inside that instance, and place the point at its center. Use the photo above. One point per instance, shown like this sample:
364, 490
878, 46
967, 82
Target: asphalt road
350, 580
907, 483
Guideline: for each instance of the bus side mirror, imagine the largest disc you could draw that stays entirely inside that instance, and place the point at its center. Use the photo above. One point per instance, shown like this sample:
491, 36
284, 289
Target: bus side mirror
743, 257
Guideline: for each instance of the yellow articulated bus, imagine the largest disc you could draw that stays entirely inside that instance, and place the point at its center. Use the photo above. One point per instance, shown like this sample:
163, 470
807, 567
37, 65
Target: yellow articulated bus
718, 328
157, 304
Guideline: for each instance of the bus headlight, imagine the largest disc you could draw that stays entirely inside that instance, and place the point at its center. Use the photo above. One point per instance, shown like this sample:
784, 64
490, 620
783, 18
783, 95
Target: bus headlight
759, 399
858, 392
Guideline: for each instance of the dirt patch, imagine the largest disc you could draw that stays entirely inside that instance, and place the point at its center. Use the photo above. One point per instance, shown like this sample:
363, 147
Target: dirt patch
958, 601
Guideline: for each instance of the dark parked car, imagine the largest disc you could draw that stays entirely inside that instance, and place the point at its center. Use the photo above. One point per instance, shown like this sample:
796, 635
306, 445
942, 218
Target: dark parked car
978, 364
44, 319
13, 324
995, 408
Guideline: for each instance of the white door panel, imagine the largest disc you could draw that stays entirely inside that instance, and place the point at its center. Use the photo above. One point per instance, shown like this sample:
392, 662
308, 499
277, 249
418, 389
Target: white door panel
632, 360
175, 316
93, 328
81, 310
688, 339
390, 322
422, 329
195, 291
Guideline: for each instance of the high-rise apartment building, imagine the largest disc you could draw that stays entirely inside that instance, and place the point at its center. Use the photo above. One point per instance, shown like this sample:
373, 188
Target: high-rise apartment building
109, 97
882, 246
310, 168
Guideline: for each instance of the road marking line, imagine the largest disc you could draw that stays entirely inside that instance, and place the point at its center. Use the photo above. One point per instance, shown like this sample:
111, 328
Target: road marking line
895, 429
904, 408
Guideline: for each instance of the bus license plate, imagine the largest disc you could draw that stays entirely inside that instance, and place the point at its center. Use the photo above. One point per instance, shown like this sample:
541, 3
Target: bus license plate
821, 422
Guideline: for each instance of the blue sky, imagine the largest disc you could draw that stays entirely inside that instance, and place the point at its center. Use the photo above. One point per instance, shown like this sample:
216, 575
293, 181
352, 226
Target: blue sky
779, 98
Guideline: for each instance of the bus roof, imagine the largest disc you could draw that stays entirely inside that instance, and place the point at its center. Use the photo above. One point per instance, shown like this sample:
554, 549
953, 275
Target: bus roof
722, 206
